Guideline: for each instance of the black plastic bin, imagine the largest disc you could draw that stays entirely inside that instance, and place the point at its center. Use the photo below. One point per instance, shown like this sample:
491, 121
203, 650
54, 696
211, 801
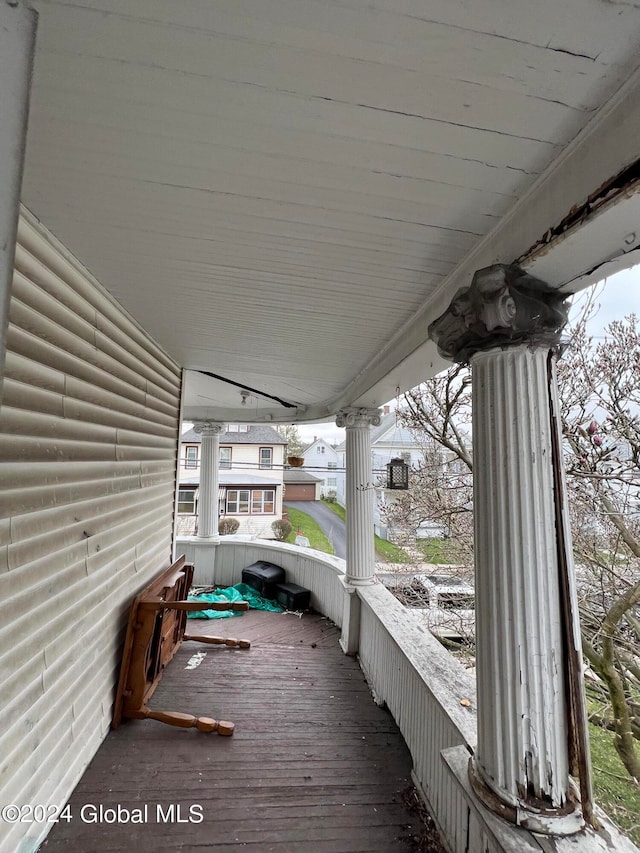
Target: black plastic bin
263, 577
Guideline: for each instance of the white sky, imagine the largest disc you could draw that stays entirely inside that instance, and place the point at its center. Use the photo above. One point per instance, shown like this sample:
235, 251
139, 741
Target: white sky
618, 296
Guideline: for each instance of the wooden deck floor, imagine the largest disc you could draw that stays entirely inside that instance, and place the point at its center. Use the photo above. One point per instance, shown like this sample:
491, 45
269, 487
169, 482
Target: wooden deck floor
314, 764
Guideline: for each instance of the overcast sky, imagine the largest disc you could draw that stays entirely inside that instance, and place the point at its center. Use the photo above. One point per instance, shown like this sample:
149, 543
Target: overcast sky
618, 296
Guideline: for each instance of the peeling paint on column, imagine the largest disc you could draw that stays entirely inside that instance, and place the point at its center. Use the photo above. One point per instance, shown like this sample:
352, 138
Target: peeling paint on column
523, 754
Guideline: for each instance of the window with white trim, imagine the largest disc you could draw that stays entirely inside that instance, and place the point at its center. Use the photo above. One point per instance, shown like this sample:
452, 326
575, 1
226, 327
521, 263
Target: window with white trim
332, 482
254, 501
262, 501
191, 456
238, 501
186, 501
225, 457
238, 428
331, 465
266, 457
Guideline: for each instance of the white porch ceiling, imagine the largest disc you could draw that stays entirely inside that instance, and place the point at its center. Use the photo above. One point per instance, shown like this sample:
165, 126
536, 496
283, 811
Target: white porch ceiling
285, 192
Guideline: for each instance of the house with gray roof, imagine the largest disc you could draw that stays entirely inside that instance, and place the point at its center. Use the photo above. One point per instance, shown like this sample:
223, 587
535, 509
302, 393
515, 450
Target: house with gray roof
251, 487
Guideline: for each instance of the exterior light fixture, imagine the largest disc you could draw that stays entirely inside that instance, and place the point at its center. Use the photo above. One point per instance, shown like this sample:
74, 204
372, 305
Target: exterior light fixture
397, 474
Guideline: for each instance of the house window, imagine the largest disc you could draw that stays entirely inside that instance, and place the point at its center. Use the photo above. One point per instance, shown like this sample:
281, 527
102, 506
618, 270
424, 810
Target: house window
191, 456
320, 448
262, 501
266, 457
238, 501
238, 428
331, 465
331, 482
225, 457
187, 501
256, 501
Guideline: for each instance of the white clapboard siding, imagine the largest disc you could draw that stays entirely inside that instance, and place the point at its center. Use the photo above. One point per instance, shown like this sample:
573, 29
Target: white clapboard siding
89, 428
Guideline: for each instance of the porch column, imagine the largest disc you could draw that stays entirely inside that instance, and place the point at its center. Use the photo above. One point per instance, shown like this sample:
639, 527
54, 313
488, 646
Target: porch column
530, 698
209, 478
359, 495
359, 492
17, 38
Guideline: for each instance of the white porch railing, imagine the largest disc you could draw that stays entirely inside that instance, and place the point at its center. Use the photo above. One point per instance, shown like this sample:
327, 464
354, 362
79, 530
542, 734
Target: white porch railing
222, 564
409, 671
422, 685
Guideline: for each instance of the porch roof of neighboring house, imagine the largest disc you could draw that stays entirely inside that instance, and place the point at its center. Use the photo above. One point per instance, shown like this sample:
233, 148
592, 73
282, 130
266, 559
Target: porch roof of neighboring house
232, 478
292, 475
285, 198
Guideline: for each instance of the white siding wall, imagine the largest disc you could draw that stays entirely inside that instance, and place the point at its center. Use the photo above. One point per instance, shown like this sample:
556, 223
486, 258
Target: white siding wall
89, 424
245, 457
258, 525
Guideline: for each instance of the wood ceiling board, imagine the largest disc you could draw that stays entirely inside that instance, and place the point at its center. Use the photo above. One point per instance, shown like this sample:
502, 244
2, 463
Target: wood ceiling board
175, 59
388, 31
462, 212
340, 105
205, 218
436, 148
122, 157
253, 154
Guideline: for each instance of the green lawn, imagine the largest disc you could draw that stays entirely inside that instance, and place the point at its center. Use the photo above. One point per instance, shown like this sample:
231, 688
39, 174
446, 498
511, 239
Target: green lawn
335, 507
440, 551
302, 522
614, 791
386, 552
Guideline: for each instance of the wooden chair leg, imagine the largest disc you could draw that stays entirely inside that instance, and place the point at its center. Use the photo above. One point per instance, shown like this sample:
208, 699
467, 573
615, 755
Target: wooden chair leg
228, 641
185, 721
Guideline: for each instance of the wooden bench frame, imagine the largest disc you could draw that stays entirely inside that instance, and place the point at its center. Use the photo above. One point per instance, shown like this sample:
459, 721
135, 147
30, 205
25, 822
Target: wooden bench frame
155, 631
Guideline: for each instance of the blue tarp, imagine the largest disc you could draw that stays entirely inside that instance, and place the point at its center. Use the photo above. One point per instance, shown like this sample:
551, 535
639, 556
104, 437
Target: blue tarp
239, 592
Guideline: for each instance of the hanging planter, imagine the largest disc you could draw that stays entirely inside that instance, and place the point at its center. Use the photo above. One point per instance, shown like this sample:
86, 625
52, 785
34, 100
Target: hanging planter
397, 474
295, 461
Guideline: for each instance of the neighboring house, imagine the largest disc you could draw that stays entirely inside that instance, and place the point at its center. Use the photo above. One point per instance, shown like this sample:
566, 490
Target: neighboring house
251, 468
301, 485
388, 441
322, 459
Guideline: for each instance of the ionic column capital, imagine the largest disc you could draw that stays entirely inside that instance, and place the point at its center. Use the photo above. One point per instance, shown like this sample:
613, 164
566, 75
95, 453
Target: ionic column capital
503, 306
207, 428
358, 417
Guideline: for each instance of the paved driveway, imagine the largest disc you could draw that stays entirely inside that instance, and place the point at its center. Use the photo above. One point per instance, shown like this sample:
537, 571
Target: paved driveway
331, 525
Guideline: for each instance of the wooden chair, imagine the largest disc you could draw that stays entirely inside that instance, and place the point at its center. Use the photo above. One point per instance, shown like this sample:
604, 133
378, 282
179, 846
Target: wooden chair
155, 632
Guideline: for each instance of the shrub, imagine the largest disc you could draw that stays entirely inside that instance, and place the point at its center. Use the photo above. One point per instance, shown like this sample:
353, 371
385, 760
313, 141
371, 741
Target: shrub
227, 526
281, 528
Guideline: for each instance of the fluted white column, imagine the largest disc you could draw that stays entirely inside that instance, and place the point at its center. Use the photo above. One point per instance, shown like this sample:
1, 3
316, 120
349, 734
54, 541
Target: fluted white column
530, 725
209, 478
522, 722
360, 493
